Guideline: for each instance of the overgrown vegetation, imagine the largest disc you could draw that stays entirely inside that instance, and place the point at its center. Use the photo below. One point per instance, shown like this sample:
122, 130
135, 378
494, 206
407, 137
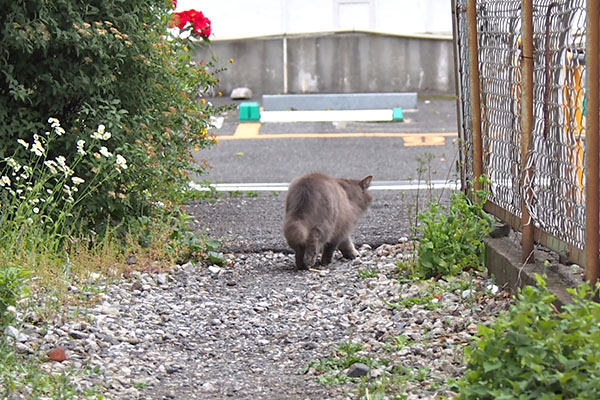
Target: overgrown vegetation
101, 109
451, 238
536, 352
108, 63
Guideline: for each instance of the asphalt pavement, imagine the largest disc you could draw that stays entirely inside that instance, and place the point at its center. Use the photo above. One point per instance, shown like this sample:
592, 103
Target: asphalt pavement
422, 149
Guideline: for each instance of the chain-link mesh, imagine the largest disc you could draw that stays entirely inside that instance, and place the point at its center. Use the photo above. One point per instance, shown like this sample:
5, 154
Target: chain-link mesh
499, 27
556, 157
464, 88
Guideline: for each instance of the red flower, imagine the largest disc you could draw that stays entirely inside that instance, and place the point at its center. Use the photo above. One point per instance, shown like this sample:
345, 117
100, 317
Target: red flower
174, 4
200, 24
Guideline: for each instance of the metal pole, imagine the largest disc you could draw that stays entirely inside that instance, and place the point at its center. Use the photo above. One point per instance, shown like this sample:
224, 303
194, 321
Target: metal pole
475, 92
458, 74
285, 64
591, 139
526, 130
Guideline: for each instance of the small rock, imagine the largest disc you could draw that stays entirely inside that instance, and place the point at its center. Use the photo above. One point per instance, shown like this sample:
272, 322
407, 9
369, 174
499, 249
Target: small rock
108, 310
310, 345
12, 332
77, 334
493, 289
467, 293
162, 278
214, 269
241, 93
57, 354
22, 348
357, 370
132, 340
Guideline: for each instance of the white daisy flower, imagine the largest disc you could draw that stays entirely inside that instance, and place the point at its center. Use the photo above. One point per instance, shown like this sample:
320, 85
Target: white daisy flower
121, 162
104, 151
96, 135
37, 148
23, 143
51, 165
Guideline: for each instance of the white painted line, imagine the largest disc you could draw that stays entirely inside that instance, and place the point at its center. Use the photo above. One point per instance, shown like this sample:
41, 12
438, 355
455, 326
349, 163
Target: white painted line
326, 115
282, 187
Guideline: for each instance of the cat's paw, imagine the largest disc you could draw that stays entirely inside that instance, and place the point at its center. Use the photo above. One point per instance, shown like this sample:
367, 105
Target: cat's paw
350, 255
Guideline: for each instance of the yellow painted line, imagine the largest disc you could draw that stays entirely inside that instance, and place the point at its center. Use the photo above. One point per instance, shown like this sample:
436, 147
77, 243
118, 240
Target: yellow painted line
247, 130
424, 140
410, 139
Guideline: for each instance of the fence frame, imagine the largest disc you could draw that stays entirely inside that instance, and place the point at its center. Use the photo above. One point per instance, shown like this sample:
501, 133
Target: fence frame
588, 256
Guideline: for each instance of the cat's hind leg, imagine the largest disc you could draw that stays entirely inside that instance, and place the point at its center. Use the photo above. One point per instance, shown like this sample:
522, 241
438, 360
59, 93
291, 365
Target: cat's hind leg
311, 252
347, 249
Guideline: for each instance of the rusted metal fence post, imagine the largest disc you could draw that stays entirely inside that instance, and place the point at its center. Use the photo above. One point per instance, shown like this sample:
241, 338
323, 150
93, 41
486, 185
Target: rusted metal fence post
475, 92
526, 130
591, 142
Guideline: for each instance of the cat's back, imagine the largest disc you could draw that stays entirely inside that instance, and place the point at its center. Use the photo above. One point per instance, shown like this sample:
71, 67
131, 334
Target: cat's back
311, 192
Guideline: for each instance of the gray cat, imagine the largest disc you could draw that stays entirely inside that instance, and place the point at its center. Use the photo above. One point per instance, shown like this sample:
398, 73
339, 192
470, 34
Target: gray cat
320, 214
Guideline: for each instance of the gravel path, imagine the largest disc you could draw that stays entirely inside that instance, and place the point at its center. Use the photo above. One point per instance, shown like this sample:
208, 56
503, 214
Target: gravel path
256, 328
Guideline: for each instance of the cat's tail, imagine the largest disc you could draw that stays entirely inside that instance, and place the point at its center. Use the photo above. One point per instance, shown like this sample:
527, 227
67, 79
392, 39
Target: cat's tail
312, 247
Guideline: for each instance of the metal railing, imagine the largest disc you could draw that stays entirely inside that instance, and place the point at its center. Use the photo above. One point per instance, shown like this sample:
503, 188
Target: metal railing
527, 82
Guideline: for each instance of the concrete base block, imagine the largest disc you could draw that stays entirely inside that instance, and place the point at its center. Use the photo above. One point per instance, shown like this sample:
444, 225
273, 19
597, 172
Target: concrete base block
339, 101
503, 260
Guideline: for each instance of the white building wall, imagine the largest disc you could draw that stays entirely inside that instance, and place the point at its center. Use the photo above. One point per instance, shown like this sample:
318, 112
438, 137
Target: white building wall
233, 19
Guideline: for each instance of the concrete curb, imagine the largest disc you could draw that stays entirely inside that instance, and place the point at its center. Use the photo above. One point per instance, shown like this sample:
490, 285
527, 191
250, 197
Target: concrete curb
339, 101
503, 260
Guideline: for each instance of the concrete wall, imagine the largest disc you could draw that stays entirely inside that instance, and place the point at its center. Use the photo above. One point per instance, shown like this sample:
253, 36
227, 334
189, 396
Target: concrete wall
343, 62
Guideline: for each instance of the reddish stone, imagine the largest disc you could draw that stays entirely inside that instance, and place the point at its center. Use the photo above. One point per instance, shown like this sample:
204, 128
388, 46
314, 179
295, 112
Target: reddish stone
57, 355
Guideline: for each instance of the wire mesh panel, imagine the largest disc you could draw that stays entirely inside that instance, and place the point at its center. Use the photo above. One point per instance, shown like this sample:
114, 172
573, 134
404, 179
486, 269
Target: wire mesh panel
464, 89
499, 29
556, 156
555, 159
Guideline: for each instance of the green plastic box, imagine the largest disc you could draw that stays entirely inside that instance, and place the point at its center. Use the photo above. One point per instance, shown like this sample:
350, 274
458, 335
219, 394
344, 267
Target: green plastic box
249, 111
397, 114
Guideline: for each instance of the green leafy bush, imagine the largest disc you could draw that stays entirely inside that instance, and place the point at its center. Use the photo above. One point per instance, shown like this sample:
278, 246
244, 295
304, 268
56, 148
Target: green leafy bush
110, 62
452, 238
535, 352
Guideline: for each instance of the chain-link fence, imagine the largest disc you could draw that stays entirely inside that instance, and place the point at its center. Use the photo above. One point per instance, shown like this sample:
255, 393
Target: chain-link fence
554, 162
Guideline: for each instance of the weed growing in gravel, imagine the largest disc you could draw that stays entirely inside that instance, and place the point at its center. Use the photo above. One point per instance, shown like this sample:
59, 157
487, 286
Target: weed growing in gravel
389, 383
329, 370
400, 342
451, 239
367, 273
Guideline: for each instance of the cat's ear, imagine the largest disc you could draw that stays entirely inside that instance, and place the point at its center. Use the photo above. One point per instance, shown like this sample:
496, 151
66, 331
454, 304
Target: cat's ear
365, 183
